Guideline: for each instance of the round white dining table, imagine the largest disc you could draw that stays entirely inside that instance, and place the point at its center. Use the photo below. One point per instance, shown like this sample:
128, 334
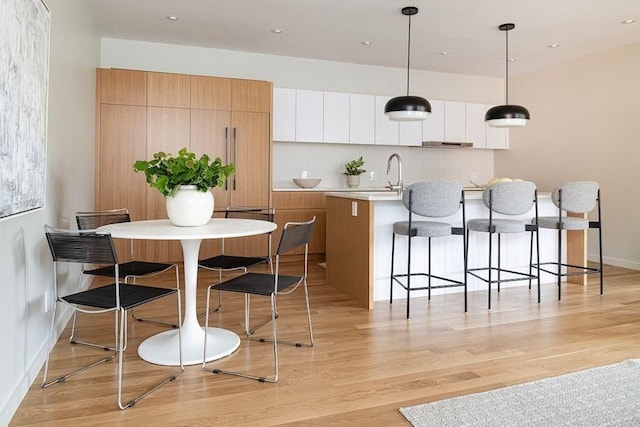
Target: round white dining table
162, 348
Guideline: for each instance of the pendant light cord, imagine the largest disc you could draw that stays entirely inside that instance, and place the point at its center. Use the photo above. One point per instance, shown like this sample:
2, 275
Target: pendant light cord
506, 61
408, 55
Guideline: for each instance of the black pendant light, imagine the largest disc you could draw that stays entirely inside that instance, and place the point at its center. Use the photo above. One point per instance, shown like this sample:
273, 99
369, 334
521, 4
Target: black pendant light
503, 116
406, 108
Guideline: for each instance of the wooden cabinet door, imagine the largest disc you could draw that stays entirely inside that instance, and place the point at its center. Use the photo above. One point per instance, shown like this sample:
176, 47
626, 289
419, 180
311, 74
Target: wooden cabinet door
210, 134
250, 144
124, 87
168, 90
122, 139
168, 131
212, 93
251, 95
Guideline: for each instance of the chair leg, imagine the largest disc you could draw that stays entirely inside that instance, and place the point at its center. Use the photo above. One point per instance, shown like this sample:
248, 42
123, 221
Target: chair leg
499, 264
464, 262
538, 260
274, 340
155, 322
601, 270
64, 377
170, 378
429, 268
490, 268
408, 272
559, 274
393, 251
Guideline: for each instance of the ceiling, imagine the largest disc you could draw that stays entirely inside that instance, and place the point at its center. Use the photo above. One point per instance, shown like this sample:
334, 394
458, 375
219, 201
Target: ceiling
334, 30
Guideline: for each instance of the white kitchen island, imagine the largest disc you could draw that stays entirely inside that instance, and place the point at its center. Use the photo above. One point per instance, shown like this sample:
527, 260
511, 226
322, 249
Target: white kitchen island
358, 247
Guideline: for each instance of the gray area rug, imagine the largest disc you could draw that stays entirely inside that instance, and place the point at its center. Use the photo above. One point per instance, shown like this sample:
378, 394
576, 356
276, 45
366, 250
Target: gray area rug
604, 396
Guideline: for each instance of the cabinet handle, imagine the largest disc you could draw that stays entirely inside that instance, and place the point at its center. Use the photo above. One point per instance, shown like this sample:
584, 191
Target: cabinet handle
226, 152
235, 154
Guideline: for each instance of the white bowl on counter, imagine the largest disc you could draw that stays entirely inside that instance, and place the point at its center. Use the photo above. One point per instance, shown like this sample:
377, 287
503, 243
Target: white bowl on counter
306, 182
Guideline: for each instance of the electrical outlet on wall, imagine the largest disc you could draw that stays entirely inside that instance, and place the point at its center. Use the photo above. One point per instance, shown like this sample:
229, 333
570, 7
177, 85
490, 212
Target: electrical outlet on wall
372, 176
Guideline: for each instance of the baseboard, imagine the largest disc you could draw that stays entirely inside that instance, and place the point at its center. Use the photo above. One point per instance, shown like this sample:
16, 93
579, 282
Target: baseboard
31, 373
633, 265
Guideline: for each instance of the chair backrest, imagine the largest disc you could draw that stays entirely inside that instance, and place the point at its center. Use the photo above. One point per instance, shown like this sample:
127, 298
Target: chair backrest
578, 197
510, 197
294, 235
433, 198
260, 213
93, 220
81, 246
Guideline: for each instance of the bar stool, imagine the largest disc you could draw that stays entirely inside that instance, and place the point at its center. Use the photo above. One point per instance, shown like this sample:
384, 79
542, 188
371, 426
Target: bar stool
580, 198
435, 199
506, 198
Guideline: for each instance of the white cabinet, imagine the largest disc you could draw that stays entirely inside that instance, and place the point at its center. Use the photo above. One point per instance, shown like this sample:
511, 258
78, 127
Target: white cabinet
309, 115
410, 133
336, 117
454, 121
284, 114
361, 119
476, 129
386, 131
433, 125
497, 138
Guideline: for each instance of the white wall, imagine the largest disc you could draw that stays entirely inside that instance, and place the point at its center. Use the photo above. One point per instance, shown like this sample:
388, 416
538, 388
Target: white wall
25, 261
584, 126
326, 160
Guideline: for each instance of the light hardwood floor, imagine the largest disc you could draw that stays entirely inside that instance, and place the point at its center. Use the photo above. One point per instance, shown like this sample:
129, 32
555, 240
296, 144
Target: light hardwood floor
365, 364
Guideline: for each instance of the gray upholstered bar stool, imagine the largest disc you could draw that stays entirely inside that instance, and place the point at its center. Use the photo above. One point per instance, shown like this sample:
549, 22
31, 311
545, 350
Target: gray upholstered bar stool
579, 198
506, 198
434, 199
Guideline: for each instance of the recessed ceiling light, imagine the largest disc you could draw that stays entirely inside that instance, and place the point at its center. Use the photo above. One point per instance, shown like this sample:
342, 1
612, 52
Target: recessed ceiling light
444, 53
628, 21
366, 43
277, 31
553, 46
173, 18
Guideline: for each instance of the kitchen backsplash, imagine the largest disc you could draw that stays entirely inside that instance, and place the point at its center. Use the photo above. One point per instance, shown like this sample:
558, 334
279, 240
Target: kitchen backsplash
326, 161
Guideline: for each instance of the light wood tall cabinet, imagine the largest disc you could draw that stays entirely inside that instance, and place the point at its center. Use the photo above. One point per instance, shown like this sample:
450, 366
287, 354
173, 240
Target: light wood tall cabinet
140, 113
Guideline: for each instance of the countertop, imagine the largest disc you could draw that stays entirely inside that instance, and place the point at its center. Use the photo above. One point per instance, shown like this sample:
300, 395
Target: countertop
469, 194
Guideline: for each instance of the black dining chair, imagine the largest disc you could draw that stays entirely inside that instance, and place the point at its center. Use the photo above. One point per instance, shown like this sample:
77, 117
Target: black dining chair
96, 247
294, 235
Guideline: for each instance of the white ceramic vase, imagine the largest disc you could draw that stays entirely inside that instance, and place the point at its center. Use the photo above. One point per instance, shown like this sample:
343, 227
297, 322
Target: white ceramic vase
190, 207
353, 181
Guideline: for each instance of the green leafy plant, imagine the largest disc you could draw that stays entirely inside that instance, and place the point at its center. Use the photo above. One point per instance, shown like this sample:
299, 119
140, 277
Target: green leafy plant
166, 172
354, 167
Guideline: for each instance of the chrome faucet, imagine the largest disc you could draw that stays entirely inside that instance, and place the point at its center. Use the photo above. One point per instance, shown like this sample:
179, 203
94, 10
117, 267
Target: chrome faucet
397, 186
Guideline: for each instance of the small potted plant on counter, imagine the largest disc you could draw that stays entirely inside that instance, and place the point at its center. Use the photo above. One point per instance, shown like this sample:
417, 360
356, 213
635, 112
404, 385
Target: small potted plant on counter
185, 181
353, 172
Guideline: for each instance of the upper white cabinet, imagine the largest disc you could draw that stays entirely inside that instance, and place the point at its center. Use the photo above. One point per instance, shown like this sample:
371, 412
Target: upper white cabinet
454, 121
433, 125
475, 126
336, 117
284, 114
497, 138
386, 132
482, 135
361, 118
309, 115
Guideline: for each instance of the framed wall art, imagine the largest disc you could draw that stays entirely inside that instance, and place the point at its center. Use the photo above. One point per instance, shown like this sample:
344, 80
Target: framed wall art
24, 83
